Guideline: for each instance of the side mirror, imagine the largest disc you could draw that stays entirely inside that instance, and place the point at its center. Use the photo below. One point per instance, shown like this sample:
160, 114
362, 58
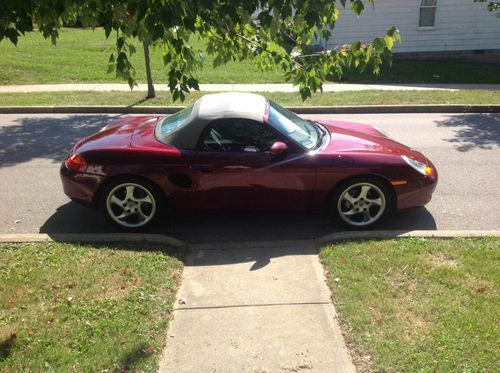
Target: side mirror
278, 148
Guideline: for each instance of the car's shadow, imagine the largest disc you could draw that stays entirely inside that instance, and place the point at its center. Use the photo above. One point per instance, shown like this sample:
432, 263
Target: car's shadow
203, 227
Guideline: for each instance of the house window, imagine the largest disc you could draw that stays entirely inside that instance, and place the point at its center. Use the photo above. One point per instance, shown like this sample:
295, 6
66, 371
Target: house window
427, 13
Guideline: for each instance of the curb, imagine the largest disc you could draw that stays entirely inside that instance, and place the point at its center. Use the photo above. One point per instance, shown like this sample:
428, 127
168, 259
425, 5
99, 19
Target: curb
162, 239
92, 109
92, 238
374, 235
362, 109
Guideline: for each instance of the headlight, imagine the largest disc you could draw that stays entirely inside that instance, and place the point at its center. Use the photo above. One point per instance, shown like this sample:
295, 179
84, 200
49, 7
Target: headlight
418, 166
76, 162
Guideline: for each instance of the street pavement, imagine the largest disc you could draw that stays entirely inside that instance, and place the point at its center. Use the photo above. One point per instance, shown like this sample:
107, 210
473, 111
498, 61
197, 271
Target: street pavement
464, 147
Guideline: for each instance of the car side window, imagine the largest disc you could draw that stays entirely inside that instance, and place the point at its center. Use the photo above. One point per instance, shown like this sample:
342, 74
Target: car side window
236, 135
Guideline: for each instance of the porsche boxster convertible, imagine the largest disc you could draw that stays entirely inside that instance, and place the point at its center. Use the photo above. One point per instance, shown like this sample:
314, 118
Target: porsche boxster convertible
242, 151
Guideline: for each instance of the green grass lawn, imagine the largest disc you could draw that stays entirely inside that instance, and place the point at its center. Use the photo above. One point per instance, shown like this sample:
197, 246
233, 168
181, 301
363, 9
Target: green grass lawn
67, 307
81, 56
287, 99
418, 305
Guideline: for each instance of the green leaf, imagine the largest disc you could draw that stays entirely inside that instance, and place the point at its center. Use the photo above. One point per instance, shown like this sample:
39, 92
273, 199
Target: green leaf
389, 41
120, 42
286, 11
305, 92
357, 6
167, 58
378, 44
111, 63
12, 35
107, 29
175, 95
193, 83
131, 82
368, 53
121, 62
356, 46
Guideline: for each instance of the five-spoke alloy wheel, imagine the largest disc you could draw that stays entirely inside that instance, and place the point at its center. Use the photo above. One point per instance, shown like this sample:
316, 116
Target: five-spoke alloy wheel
360, 203
131, 204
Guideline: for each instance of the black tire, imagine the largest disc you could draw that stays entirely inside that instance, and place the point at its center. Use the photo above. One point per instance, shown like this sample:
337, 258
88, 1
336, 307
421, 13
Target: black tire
360, 203
139, 202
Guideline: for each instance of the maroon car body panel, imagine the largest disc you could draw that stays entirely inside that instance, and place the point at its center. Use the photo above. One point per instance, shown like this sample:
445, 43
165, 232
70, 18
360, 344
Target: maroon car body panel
297, 179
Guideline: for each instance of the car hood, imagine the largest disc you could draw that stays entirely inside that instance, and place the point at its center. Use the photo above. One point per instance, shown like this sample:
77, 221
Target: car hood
349, 137
117, 134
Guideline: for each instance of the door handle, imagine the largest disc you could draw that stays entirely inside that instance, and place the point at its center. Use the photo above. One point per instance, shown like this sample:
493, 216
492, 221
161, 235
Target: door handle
204, 167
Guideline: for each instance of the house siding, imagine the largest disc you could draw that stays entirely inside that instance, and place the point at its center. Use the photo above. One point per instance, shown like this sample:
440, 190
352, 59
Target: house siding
461, 25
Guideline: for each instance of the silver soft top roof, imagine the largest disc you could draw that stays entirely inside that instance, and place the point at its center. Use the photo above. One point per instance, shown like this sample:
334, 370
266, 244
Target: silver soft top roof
230, 105
212, 107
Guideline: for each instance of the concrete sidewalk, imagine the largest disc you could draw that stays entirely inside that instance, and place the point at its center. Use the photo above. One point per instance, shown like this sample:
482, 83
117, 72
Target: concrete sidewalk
255, 310
244, 87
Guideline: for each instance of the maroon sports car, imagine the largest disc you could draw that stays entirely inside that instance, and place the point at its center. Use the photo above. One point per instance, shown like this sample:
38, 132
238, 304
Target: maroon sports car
242, 151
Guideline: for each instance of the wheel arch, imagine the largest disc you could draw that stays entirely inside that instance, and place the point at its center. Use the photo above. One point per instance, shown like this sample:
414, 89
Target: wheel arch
124, 177
385, 181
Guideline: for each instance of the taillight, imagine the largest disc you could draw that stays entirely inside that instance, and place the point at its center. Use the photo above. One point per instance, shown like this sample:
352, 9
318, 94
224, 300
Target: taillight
76, 162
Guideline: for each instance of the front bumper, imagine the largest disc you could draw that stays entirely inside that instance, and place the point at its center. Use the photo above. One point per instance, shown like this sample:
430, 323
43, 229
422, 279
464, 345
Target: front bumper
79, 186
416, 193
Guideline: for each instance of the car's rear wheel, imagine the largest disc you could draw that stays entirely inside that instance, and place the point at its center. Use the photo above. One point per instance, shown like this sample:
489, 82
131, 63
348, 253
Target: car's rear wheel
360, 203
131, 204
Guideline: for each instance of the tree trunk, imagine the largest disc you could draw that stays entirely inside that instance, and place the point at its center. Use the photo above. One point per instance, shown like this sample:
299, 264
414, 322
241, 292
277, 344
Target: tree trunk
151, 88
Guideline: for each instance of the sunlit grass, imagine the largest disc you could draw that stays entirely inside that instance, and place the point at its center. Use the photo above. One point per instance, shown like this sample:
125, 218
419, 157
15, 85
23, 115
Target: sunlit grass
418, 305
66, 307
81, 56
163, 98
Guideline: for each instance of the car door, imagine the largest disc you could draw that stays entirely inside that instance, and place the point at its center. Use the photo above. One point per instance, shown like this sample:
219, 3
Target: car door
235, 168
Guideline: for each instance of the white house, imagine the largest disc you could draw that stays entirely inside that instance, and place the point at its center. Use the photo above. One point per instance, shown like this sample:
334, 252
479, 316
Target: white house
429, 28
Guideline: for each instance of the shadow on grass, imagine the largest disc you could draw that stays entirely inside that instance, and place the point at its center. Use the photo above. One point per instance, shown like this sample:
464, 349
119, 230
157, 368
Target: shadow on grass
474, 131
142, 100
408, 72
6, 347
131, 359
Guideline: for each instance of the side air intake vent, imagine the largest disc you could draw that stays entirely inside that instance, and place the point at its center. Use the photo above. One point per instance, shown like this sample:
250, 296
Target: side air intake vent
181, 180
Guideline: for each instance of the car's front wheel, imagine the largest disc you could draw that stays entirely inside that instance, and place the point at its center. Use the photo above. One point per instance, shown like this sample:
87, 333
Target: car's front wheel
131, 204
360, 203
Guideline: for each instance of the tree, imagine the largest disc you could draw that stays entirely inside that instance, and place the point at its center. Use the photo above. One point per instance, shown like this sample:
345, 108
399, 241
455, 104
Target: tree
281, 35
149, 78
492, 5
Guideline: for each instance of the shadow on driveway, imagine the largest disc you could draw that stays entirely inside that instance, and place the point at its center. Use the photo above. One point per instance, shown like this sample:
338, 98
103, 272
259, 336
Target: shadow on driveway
50, 138
271, 232
201, 227
474, 131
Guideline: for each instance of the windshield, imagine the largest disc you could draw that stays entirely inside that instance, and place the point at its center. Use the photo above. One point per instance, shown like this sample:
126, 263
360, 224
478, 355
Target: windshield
293, 126
173, 122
